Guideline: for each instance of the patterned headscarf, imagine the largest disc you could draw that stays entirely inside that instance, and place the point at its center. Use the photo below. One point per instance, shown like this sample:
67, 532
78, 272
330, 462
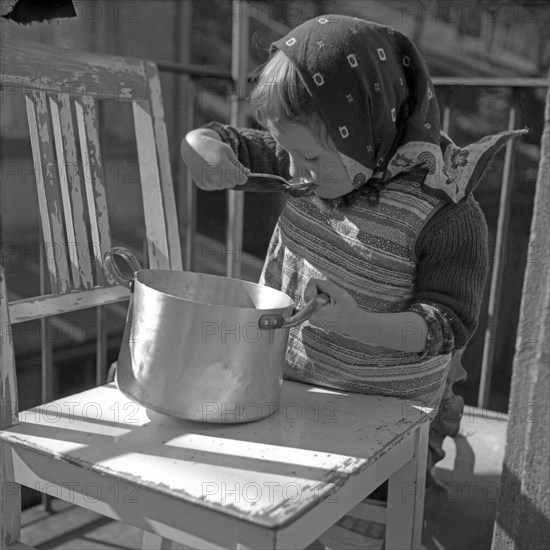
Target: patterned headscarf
376, 98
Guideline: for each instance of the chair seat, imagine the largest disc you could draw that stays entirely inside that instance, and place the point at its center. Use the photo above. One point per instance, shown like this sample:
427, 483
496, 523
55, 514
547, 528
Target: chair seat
268, 472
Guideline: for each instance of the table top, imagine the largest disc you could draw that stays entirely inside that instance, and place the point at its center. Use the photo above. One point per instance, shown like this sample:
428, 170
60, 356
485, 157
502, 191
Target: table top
269, 471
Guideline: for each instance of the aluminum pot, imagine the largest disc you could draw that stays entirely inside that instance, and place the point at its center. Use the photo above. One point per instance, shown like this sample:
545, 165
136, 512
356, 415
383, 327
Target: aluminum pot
203, 347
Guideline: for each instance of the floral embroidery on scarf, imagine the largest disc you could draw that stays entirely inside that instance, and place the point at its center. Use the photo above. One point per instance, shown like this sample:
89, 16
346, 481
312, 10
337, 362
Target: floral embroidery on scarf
402, 160
449, 180
459, 157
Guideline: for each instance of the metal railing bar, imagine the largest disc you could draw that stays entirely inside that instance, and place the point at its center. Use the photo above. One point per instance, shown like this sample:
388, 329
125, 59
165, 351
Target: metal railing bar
235, 200
446, 119
46, 364
189, 209
195, 71
212, 71
183, 122
490, 81
498, 266
100, 347
46, 356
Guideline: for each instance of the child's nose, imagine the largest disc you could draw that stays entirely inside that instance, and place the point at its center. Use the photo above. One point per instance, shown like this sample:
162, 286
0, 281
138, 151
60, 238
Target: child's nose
298, 172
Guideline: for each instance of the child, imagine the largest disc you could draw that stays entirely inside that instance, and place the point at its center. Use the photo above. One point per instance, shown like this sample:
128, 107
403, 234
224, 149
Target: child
391, 233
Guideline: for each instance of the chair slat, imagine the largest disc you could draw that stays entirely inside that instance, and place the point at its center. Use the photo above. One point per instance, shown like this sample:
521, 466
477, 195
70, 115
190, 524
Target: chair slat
52, 69
44, 306
62, 166
155, 218
20, 546
75, 178
86, 115
49, 197
161, 135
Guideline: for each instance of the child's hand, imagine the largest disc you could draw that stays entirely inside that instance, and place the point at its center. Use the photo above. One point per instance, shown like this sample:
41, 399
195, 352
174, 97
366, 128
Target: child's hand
212, 163
335, 315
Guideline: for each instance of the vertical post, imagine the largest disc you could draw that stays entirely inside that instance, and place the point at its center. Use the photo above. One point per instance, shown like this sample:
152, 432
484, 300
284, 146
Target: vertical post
446, 119
419, 25
188, 198
106, 39
10, 492
101, 347
239, 67
495, 295
183, 110
46, 356
523, 513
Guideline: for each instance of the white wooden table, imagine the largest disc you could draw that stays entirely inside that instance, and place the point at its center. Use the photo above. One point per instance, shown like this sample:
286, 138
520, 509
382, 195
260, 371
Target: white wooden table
279, 482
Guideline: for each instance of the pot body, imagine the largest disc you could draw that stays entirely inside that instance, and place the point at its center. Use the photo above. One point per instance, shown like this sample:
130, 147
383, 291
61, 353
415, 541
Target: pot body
193, 347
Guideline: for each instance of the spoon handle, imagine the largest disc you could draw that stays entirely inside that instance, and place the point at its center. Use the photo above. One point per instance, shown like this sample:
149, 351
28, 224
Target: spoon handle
305, 186
268, 176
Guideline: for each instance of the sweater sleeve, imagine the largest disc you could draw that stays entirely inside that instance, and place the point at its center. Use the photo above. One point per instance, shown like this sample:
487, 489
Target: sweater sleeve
453, 264
255, 149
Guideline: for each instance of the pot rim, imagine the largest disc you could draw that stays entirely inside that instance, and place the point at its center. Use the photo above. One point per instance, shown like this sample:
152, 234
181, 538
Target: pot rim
290, 304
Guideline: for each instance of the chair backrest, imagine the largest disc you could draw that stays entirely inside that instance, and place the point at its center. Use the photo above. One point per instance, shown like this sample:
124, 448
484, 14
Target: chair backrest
61, 89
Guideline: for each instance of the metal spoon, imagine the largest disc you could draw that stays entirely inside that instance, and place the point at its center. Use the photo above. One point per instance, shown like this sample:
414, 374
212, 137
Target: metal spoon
298, 186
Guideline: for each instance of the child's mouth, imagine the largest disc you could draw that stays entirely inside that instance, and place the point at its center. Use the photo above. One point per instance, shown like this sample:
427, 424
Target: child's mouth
302, 188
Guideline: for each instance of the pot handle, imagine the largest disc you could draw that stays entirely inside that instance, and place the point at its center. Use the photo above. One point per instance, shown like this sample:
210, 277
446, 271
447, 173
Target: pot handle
128, 256
278, 320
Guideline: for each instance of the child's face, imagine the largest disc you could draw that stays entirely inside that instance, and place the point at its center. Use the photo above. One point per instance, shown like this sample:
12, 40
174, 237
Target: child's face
313, 161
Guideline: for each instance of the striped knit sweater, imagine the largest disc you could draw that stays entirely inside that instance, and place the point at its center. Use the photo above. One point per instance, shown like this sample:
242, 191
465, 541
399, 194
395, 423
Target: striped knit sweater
450, 264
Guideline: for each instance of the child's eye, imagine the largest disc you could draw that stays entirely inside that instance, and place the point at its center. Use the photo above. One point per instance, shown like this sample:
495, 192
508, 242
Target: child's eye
312, 159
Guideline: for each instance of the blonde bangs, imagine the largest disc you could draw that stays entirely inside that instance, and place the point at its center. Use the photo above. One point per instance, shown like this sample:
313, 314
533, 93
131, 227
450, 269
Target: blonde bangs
280, 97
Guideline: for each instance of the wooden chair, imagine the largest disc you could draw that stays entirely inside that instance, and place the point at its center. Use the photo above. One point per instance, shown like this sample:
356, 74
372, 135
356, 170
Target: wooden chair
61, 90
279, 482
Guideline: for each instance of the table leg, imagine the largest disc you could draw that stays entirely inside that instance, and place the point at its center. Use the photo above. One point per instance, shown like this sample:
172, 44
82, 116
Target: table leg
406, 492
